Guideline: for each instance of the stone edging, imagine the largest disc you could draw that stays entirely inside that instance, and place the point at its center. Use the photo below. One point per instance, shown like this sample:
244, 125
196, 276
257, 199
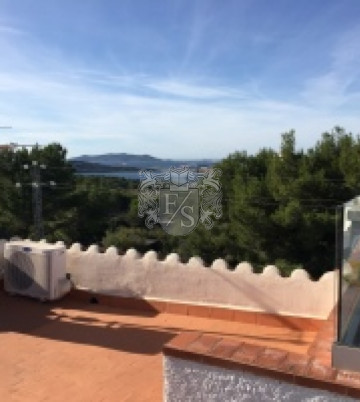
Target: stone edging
278, 364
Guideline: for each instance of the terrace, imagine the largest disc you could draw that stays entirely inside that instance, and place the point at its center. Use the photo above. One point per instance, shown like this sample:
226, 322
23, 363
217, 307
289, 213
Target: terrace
134, 329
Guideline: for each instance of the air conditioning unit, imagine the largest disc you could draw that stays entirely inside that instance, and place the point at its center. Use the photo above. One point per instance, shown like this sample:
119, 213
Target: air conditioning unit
36, 270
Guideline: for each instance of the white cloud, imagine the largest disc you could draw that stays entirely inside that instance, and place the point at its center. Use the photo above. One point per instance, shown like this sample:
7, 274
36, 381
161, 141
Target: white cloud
183, 89
6, 29
90, 119
332, 89
46, 98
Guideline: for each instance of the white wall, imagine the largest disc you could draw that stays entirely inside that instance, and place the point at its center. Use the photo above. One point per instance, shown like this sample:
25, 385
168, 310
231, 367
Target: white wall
130, 275
187, 381
2, 260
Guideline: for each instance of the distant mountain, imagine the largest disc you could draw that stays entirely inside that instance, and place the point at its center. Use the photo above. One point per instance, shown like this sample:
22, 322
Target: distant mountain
123, 160
88, 167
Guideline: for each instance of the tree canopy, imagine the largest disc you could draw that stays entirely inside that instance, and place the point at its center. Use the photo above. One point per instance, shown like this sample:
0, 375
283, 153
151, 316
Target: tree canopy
278, 205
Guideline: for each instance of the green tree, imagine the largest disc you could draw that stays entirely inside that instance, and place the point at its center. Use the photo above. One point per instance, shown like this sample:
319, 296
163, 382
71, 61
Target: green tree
281, 208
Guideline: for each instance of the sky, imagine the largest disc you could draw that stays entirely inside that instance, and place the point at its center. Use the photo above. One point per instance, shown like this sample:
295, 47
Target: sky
177, 78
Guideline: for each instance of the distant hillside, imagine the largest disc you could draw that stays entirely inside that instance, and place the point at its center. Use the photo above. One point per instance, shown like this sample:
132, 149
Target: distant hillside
88, 167
135, 162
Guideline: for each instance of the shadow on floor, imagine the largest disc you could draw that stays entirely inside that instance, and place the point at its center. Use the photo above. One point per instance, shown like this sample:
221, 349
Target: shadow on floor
30, 317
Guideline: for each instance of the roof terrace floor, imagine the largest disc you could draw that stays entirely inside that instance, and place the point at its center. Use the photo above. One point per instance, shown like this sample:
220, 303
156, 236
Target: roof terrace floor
70, 350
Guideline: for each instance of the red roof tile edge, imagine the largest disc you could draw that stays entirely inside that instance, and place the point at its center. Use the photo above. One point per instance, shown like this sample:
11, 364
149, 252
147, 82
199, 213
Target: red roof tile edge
278, 364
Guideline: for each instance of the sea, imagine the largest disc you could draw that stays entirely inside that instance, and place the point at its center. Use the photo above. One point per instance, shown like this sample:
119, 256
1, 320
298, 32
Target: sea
126, 175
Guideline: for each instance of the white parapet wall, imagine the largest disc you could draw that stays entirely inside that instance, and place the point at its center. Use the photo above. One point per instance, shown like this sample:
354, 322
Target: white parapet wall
147, 277
2, 260
187, 381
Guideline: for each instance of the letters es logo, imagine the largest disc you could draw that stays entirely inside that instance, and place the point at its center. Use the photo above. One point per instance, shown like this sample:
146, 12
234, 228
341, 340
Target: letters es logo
179, 199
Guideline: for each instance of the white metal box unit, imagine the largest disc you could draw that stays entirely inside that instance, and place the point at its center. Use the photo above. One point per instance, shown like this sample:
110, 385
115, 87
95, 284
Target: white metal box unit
36, 270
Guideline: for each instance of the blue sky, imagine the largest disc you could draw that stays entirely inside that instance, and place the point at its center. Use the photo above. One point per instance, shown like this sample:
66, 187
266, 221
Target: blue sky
177, 78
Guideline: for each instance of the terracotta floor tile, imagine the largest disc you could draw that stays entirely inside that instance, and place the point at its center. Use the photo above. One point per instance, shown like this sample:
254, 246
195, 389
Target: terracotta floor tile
72, 350
177, 308
349, 378
204, 344
199, 311
248, 353
225, 348
317, 369
296, 364
245, 316
271, 358
184, 339
221, 314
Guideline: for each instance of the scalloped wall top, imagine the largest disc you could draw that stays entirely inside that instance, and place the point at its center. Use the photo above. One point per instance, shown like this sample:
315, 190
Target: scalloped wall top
173, 259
